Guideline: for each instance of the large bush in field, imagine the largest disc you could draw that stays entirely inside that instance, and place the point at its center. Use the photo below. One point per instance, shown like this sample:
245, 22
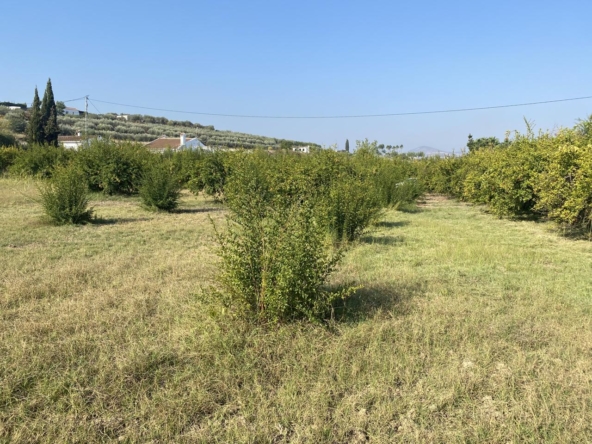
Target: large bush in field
565, 186
441, 175
65, 196
275, 253
210, 173
351, 208
113, 168
160, 189
507, 178
186, 165
40, 160
7, 157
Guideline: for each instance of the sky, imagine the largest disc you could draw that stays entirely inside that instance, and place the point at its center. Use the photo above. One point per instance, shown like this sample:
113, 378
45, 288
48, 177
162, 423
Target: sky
310, 58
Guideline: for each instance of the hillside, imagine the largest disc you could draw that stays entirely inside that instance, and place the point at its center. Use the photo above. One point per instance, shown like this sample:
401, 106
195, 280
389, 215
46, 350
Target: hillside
143, 128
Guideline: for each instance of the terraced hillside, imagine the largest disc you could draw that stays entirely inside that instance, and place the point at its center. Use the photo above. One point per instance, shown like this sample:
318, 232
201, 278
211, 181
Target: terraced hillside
146, 128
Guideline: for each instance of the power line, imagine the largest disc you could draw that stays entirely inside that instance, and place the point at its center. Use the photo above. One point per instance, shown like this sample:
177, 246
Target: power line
94, 106
73, 100
414, 113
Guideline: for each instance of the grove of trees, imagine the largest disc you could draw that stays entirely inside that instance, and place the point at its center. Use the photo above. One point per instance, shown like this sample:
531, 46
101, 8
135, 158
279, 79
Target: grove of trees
43, 119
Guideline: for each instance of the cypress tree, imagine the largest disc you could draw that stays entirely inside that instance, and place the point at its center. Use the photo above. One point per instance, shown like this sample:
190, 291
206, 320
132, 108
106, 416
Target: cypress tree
51, 128
347, 145
49, 117
35, 129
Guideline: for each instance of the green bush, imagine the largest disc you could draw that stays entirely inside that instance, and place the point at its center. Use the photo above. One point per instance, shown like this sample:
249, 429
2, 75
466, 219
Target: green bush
8, 156
40, 160
441, 175
212, 172
276, 261
565, 187
187, 165
7, 140
113, 168
65, 196
351, 208
160, 189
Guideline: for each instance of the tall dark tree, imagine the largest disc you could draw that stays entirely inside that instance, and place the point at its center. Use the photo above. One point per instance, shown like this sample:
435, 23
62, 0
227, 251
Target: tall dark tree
35, 133
347, 145
52, 129
49, 116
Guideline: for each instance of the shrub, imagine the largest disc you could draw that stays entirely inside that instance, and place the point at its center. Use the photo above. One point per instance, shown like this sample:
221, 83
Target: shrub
7, 140
351, 207
65, 196
113, 168
210, 176
565, 188
160, 189
187, 165
7, 157
40, 160
276, 261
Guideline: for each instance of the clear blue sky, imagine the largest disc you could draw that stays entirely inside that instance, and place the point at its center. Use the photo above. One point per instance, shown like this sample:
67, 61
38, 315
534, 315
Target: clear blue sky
310, 58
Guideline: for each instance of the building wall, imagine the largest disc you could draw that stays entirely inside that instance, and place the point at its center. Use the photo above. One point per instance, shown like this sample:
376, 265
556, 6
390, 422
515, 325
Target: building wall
72, 145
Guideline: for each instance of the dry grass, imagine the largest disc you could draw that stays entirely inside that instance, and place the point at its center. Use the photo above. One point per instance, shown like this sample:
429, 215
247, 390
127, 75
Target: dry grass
469, 329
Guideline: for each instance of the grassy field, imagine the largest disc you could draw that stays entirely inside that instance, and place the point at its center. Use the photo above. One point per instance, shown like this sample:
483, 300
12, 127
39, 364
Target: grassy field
468, 329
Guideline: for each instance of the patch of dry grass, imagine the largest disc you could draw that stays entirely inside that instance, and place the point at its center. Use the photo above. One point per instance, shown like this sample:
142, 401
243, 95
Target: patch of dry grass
468, 329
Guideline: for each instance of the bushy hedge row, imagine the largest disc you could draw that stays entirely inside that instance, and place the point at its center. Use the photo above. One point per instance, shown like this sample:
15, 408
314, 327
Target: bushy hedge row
290, 218
546, 174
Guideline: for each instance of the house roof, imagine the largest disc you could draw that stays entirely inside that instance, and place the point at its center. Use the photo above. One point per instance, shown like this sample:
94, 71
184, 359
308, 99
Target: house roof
69, 138
70, 108
166, 142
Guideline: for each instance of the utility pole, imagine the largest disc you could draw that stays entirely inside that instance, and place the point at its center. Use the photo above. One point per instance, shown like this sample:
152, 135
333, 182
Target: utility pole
85, 117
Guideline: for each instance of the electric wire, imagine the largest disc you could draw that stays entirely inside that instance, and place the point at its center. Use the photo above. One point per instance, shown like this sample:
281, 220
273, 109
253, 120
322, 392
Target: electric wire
73, 100
94, 106
413, 113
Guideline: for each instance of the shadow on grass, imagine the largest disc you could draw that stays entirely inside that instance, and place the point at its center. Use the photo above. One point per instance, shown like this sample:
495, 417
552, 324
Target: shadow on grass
382, 240
528, 217
410, 208
575, 233
118, 220
196, 210
394, 299
389, 224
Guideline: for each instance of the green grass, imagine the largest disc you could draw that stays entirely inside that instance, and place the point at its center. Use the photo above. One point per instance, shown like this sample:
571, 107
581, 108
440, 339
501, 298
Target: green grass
468, 329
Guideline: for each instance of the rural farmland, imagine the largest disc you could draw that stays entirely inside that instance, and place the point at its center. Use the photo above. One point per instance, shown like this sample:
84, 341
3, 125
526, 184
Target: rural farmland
461, 327
296, 222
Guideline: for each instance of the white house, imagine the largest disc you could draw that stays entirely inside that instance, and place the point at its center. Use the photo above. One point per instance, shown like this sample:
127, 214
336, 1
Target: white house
14, 108
122, 116
71, 111
301, 149
175, 143
71, 142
